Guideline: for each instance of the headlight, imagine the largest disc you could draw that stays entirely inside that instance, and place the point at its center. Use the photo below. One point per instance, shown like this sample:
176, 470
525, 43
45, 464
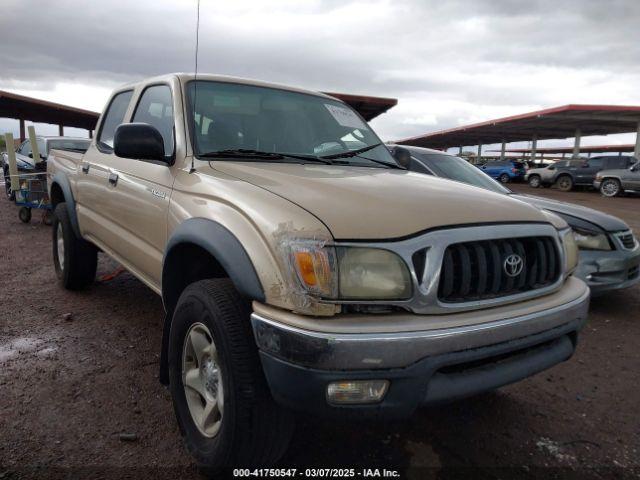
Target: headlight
372, 273
590, 240
350, 273
570, 250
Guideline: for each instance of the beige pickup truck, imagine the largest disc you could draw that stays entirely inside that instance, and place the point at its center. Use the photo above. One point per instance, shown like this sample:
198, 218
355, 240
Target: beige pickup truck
301, 266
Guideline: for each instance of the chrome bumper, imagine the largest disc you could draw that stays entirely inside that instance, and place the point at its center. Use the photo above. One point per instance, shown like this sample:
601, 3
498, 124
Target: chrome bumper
325, 350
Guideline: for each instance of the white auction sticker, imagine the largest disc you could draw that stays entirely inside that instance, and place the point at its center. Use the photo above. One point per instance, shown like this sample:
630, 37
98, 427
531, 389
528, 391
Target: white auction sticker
345, 116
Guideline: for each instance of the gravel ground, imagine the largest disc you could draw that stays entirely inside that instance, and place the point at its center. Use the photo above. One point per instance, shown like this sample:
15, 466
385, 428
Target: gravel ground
77, 370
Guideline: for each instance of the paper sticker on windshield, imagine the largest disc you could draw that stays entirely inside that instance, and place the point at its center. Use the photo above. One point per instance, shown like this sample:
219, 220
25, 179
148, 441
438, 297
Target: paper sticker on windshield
345, 116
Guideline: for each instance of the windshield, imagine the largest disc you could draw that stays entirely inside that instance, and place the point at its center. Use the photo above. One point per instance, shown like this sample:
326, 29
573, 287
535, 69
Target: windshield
228, 117
455, 168
74, 145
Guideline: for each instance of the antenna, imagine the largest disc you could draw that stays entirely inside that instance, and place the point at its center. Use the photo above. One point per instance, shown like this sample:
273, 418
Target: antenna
195, 81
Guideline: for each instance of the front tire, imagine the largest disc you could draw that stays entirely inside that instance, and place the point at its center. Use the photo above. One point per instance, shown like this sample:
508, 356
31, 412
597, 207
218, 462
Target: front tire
504, 178
610, 187
534, 181
75, 260
213, 359
565, 183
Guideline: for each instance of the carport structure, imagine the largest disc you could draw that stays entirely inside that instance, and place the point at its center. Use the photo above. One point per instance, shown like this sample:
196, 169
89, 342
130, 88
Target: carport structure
619, 149
35, 110
368, 107
552, 123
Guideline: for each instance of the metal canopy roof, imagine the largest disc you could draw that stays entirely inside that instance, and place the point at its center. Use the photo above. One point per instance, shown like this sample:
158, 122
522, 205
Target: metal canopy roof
368, 107
17, 106
629, 147
557, 122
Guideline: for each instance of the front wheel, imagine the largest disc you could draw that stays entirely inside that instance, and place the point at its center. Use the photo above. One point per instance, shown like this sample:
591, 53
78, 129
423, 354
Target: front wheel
220, 396
610, 187
534, 181
504, 178
74, 259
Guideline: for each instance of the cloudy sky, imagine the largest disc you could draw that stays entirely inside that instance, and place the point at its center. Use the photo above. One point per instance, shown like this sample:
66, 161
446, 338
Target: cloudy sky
448, 62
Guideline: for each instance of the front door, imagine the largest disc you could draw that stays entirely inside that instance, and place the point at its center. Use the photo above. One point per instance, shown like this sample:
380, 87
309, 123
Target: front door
140, 191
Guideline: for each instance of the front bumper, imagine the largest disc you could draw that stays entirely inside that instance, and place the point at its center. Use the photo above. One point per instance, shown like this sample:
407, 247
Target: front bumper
604, 271
596, 184
424, 367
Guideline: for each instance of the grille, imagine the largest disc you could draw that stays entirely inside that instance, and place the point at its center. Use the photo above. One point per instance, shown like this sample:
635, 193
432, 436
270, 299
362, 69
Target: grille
627, 240
476, 270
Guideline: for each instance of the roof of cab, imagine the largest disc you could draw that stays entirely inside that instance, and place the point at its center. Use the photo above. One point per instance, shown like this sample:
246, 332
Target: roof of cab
186, 77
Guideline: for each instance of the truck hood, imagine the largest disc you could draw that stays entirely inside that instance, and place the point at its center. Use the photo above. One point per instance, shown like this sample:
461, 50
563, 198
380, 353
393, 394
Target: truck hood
380, 203
602, 220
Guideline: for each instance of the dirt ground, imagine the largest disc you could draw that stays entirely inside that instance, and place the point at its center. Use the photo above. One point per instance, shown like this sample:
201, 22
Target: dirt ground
70, 386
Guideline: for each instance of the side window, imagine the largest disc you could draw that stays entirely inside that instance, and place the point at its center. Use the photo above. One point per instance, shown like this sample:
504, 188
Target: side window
25, 148
156, 108
596, 162
113, 118
615, 162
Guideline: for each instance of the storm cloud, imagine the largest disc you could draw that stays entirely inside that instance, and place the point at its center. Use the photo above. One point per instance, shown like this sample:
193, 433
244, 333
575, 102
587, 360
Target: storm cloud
448, 63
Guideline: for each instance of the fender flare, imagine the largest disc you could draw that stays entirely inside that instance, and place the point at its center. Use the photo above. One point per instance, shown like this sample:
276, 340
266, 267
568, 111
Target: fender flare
63, 182
222, 245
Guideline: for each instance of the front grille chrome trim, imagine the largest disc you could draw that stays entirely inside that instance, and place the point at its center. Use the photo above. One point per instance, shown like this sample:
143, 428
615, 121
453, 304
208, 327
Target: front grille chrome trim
424, 299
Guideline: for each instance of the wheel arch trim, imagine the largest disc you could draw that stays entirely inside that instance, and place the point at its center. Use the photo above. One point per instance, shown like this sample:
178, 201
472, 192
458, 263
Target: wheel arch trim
62, 181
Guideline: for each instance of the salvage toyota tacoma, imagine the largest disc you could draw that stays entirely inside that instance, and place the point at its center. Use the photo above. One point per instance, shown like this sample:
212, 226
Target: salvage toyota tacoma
301, 267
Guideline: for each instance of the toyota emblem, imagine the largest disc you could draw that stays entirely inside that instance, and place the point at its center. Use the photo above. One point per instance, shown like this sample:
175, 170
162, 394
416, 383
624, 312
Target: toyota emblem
513, 265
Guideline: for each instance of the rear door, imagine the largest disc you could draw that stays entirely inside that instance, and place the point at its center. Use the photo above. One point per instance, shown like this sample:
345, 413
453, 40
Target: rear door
93, 201
586, 173
139, 191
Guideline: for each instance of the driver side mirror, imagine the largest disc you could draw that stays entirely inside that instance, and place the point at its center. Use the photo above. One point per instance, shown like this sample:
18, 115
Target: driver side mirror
584, 164
551, 167
635, 167
402, 156
139, 141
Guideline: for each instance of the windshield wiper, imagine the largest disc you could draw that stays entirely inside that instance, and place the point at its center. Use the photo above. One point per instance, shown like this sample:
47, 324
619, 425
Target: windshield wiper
261, 155
356, 153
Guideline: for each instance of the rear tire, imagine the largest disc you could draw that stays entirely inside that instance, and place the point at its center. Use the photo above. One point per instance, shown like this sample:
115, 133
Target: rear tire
24, 214
610, 187
253, 431
504, 178
534, 181
75, 260
565, 183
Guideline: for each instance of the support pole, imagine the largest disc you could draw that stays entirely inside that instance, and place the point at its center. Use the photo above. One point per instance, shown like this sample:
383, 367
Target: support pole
502, 150
459, 150
90, 133
61, 130
534, 146
13, 166
576, 145
636, 151
22, 134
479, 156
35, 153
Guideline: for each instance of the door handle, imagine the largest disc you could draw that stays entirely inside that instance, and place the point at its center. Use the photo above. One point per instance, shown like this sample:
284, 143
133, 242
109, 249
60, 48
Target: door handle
113, 179
85, 168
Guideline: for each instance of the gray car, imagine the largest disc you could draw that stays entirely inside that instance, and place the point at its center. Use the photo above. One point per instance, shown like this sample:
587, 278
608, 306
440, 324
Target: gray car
609, 252
612, 183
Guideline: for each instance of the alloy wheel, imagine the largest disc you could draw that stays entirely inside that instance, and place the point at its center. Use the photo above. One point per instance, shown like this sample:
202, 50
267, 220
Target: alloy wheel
202, 380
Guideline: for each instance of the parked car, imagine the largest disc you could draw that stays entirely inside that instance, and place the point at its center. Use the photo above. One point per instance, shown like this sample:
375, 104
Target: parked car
609, 251
26, 162
546, 176
612, 183
504, 170
300, 267
584, 172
